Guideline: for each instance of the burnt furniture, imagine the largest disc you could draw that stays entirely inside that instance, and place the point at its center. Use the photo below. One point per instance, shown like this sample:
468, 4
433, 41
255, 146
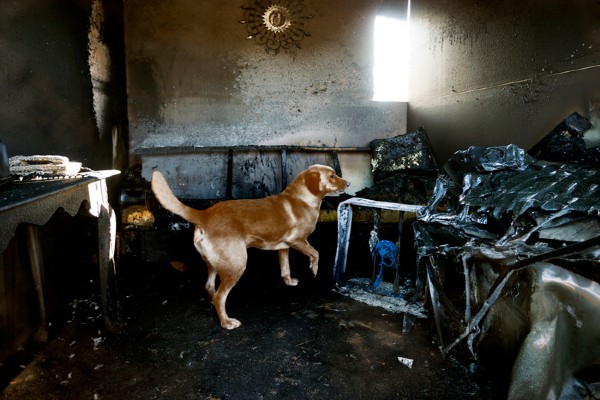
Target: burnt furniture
34, 202
345, 227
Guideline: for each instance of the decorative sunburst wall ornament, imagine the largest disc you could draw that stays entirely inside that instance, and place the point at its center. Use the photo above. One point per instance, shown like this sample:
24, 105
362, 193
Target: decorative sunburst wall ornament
278, 25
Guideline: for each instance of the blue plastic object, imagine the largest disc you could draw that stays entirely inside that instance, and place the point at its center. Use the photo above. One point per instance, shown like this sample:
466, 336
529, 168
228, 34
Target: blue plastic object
386, 251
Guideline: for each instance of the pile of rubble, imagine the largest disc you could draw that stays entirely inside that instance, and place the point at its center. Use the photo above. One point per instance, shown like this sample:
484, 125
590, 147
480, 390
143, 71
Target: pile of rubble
509, 255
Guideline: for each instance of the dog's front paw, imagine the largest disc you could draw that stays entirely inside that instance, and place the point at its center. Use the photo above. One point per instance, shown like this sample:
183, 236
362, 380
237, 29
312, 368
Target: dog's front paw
290, 281
230, 323
314, 268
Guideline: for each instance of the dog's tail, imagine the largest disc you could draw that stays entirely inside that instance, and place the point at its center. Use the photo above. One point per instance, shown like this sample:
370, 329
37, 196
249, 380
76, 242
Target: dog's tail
167, 199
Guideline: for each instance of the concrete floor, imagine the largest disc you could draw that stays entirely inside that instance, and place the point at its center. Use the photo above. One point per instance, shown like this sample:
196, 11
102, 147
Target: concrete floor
303, 342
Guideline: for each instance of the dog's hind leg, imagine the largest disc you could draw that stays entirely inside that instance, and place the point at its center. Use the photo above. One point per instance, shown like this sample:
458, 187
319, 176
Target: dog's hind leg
212, 272
210, 281
228, 281
230, 270
284, 263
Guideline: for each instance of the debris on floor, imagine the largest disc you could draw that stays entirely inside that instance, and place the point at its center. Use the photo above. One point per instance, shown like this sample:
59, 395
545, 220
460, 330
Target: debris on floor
406, 361
384, 297
296, 343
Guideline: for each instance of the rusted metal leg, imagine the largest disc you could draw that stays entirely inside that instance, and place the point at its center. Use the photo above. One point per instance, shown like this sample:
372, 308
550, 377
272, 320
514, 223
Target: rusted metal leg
373, 240
107, 230
344, 229
37, 270
398, 247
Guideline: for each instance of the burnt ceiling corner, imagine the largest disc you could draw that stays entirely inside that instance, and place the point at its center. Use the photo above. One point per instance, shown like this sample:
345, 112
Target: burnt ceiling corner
277, 25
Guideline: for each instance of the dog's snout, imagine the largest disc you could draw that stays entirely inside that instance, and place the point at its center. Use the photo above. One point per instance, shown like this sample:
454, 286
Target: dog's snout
347, 184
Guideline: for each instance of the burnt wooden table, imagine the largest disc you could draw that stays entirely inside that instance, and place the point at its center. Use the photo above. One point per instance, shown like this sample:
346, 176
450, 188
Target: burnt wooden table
34, 202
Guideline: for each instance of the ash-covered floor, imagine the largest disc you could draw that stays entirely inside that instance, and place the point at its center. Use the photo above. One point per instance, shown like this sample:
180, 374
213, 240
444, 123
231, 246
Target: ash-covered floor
305, 342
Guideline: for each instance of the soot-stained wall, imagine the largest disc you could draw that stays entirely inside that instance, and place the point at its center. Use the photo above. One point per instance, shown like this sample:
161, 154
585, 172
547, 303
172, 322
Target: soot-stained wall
498, 72
45, 82
482, 73
196, 79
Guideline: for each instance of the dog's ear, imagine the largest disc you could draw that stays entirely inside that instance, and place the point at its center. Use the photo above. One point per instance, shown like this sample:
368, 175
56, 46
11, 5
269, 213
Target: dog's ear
313, 182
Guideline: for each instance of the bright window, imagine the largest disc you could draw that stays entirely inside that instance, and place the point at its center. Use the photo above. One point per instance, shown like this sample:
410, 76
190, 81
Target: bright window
390, 69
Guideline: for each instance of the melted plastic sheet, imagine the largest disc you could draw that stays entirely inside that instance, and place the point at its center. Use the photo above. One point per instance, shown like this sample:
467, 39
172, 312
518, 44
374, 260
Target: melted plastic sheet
509, 254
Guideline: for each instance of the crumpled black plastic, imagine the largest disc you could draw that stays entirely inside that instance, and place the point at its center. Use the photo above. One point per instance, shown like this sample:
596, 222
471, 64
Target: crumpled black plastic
485, 226
565, 143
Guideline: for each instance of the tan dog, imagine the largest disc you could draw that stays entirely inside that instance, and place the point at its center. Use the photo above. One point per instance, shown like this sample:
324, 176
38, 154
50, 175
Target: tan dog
224, 231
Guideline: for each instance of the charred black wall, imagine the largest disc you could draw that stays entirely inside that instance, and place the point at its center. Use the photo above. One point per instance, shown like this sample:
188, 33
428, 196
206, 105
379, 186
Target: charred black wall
493, 73
52, 103
483, 73
197, 78
45, 80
